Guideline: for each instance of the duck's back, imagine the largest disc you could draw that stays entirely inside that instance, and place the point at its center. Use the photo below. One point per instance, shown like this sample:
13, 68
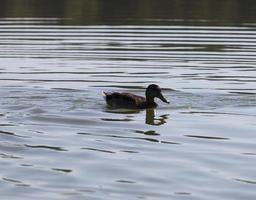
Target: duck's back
126, 100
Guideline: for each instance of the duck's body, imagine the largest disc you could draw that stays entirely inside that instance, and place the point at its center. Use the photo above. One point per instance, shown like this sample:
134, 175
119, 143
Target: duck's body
128, 100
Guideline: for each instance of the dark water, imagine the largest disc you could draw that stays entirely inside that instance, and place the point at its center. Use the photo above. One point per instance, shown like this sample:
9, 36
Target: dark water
58, 140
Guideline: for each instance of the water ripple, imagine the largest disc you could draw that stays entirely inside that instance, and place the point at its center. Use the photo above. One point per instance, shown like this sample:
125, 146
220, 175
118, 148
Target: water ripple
59, 140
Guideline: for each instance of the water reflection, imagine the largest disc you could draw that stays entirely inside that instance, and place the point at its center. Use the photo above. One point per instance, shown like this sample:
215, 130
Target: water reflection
46, 147
245, 181
51, 112
62, 170
150, 116
122, 111
124, 12
98, 150
149, 132
152, 120
15, 182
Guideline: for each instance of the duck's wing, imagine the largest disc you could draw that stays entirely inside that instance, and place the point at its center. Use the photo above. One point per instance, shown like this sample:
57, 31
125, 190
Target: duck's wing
133, 98
122, 99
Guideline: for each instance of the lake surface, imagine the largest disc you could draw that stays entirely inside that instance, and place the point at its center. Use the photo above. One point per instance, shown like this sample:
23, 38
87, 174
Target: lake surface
58, 140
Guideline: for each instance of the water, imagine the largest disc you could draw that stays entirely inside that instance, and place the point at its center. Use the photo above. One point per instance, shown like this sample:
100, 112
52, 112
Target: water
58, 140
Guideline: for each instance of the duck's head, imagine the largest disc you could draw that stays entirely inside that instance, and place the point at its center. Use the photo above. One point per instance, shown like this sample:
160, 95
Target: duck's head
153, 91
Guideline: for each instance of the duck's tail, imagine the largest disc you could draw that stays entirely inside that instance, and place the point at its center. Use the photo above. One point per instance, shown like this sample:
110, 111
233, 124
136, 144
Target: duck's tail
104, 94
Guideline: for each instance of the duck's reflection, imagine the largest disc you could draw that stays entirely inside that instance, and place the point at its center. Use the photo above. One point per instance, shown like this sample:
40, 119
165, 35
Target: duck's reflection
150, 117
156, 121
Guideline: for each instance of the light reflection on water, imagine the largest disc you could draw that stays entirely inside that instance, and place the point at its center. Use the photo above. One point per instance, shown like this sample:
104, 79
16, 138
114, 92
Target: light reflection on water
59, 140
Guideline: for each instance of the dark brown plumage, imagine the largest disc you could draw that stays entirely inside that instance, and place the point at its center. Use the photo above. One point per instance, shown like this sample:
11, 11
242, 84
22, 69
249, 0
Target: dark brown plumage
128, 100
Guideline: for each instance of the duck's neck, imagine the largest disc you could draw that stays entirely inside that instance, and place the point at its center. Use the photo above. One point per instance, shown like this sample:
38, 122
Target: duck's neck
150, 103
150, 100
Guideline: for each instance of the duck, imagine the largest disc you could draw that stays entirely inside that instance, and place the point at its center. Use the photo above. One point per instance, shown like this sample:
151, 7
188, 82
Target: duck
132, 101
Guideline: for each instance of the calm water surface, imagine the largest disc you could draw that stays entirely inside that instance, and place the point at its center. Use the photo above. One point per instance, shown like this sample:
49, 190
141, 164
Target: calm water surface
60, 141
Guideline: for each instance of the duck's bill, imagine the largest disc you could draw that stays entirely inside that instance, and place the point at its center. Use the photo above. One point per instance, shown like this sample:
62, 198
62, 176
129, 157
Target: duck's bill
163, 99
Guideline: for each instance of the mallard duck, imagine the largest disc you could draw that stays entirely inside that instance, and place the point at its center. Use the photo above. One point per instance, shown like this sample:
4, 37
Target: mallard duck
128, 100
